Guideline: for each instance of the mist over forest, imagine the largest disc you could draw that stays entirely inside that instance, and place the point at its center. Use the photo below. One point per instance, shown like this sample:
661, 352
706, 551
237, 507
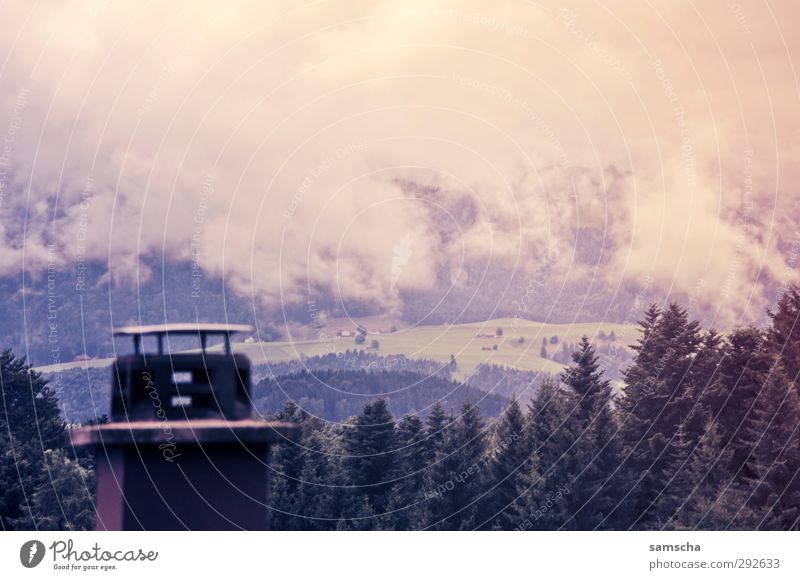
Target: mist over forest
452, 265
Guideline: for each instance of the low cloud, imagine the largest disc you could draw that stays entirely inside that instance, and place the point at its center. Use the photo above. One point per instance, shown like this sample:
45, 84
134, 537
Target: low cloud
290, 149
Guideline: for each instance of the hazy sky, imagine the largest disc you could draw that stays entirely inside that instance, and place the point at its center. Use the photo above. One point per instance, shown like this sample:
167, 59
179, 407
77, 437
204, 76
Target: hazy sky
362, 147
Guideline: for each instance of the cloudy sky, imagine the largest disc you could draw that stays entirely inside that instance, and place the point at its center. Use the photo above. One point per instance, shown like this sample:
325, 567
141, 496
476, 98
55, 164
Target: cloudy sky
363, 148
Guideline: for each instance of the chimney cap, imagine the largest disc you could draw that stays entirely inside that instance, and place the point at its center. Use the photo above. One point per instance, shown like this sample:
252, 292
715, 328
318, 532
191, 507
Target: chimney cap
201, 329
182, 328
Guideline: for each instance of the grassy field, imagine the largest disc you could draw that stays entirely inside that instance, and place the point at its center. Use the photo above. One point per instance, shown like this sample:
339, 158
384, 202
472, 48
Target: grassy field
465, 341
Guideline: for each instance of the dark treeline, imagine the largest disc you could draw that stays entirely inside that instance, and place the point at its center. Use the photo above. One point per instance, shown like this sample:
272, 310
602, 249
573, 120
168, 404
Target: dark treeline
337, 395
704, 435
43, 486
354, 360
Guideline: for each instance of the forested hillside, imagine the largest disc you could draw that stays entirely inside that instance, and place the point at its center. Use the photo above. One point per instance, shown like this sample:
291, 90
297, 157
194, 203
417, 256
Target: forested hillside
337, 395
704, 435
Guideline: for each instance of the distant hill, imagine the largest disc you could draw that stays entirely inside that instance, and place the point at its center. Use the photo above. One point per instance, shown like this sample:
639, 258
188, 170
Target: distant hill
54, 317
471, 345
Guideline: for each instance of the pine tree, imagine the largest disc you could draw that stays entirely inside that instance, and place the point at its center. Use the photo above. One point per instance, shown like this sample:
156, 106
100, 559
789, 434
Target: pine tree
457, 477
435, 428
728, 510
680, 481
288, 457
20, 477
773, 464
64, 501
605, 469
405, 504
509, 457
360, 517
706, 472
660, 395
411, 450
594, 452
585, 379
31, 425
399, 514
706, 363
784, 332
371, 452
744, 370
321, 496
288, 467
549, 477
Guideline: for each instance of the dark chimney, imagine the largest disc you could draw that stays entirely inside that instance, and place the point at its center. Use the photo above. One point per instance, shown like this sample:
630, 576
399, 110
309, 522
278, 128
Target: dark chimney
182, 450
